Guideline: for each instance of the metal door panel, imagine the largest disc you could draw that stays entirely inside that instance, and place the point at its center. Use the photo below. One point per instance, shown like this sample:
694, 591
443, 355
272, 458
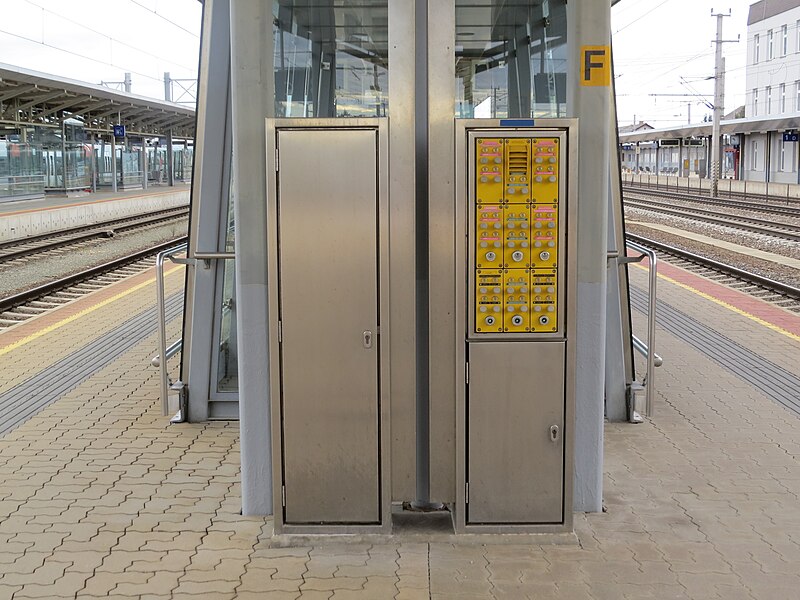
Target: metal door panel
515, 470
327, 236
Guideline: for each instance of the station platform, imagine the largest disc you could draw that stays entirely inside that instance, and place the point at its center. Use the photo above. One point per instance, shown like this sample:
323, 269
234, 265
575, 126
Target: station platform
101, 498
23, 218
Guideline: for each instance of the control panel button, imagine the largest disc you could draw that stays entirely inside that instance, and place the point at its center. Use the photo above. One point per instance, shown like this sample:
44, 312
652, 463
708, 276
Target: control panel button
491, 256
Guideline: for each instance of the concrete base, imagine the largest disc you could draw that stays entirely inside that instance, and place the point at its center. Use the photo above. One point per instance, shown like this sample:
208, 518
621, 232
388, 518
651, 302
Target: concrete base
420, 527
34, 221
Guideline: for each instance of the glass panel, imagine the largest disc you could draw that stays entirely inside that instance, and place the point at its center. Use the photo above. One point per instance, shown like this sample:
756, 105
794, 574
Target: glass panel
511, 58
21, 168
228, 360
331, 58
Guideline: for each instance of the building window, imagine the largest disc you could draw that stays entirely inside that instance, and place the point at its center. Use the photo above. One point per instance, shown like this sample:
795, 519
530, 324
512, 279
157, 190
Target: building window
755, 101
784, 40
797, 48
754, 153
783, 155
770, 50
768, 109
797, 96
757, 47
783, 98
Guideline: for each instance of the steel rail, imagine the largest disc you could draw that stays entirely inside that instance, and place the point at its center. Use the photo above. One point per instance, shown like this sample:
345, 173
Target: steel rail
64, 237
790, 211
746, 223
763, 282
704, 193
10, 302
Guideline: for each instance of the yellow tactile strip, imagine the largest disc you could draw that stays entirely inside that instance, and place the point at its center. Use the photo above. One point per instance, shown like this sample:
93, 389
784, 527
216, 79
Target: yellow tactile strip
99, 498
27, 348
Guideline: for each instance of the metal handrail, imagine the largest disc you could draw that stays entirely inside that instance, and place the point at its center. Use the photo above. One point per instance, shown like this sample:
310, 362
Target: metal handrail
641, 348
650, 347
161, 307
172, 350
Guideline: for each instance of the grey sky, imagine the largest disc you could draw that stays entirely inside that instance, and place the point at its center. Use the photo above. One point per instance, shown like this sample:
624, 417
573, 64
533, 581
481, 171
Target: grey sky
656, 43
99, 40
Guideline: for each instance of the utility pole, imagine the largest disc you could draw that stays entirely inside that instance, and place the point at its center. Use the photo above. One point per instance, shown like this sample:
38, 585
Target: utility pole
719, 101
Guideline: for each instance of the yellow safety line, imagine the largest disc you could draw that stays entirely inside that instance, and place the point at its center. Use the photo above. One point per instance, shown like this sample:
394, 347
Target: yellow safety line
83, 313
724, 304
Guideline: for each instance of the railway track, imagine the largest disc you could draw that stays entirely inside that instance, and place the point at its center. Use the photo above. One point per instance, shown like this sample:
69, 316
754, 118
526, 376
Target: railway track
759, 199
792, 210
776, 292
13, 251
785, 231
22, 306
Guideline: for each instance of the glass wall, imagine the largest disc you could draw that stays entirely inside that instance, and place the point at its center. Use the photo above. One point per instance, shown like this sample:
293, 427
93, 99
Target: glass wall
331, 58
511, 58
227, 359
21, 169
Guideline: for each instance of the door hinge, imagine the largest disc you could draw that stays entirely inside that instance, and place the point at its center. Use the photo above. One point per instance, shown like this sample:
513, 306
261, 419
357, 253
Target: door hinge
466, 373
280, 332
277, 160
283, 496
466, 493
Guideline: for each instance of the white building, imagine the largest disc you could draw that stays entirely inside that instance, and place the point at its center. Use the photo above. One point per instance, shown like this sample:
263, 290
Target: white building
773, 87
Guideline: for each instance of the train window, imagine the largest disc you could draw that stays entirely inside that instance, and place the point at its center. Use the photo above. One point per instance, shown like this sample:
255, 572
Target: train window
511, 58
331, 59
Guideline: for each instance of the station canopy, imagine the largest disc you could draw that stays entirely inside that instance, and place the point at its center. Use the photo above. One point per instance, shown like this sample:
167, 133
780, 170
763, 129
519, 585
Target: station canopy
789, 122
40, 99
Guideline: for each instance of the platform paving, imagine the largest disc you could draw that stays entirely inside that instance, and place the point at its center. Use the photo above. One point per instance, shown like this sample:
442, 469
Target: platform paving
100, 498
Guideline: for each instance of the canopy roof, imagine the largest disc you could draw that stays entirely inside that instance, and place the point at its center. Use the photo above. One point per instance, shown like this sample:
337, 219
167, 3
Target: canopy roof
33, 98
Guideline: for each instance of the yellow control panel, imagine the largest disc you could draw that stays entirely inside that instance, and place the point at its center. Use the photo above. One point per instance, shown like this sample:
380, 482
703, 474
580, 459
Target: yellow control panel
516, 241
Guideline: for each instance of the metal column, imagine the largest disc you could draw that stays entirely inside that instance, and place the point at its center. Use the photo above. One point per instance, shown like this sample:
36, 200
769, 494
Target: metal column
113, 162
210, 185
93, 168
144, 163
588, 24
170, 161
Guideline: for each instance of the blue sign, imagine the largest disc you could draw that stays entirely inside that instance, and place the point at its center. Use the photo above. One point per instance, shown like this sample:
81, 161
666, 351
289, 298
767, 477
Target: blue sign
516, 122
119, 131
791, 137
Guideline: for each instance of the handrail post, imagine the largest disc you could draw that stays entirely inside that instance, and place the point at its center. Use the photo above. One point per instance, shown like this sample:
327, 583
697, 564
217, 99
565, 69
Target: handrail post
161, 308
651, 321
162, 332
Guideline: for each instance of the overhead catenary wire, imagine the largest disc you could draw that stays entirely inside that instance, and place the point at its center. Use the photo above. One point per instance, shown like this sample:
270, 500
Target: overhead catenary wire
110, 38
79, 55
159, 15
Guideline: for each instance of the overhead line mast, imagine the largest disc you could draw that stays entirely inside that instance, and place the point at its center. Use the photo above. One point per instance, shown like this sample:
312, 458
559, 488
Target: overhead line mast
719, 101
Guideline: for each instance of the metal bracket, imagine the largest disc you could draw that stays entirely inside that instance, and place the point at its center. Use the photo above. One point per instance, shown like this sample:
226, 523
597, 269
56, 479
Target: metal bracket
631, 259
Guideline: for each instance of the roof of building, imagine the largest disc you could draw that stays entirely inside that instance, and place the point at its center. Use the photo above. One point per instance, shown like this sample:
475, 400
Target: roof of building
764, 9
641, 125
751, 125
33, 98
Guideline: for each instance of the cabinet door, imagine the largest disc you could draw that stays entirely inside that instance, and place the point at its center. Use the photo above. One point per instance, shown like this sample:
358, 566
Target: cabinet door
515, 437
328, 239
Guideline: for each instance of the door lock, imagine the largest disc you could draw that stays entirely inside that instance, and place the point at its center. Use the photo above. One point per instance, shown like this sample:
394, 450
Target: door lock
554, 433
367, 340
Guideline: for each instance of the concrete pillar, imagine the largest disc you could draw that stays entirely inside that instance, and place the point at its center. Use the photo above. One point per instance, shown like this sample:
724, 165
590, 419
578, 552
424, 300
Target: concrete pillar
252, 100
589, 25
